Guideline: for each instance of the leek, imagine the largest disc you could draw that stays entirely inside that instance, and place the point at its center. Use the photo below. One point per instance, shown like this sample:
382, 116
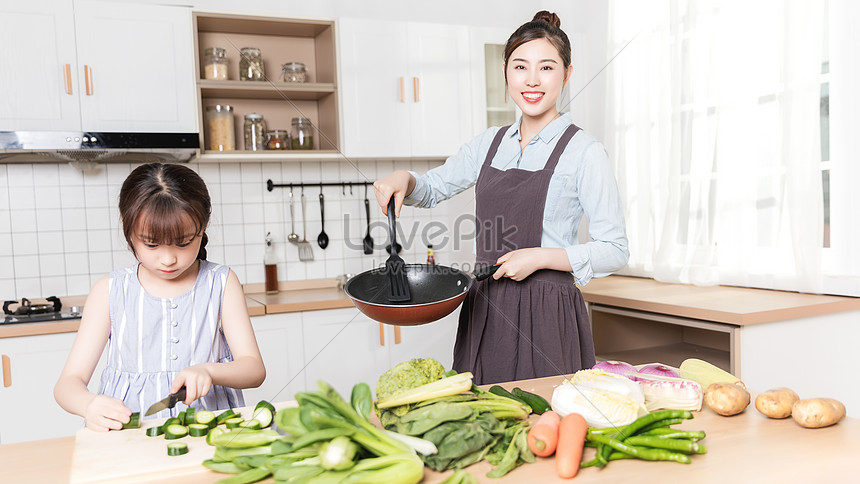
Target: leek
445, 387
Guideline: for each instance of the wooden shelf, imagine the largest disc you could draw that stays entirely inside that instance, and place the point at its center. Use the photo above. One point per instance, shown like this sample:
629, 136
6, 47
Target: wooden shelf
265, 90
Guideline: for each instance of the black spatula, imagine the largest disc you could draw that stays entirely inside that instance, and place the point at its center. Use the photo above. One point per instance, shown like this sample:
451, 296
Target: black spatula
398, 284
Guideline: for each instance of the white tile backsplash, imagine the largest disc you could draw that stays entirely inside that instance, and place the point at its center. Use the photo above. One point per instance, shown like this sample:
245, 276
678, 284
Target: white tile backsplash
60, 230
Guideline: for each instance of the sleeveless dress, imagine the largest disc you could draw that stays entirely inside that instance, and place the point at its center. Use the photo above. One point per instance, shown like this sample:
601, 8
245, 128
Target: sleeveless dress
152, 339
514, 330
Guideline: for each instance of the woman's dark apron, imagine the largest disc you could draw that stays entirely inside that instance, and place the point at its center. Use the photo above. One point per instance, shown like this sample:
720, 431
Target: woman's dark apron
539, 326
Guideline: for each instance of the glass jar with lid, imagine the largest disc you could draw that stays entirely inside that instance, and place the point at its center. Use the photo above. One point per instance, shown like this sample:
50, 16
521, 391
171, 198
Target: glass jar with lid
277, 139
301, 136
219, 121
254, 140
294, 72
215, 63
251, 65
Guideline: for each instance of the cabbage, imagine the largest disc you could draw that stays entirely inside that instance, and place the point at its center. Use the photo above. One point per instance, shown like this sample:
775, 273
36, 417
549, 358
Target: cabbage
610, 382
600, 408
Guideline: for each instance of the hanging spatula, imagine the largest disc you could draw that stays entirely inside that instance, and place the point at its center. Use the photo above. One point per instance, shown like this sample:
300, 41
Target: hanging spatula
398, 283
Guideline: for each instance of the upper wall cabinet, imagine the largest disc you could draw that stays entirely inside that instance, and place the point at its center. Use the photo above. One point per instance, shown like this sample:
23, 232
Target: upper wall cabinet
267, 92
406, 88
96, 66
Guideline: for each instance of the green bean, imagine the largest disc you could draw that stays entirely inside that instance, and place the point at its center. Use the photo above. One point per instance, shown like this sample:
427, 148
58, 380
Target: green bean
668, 433
641, 452
678, 445
658, 424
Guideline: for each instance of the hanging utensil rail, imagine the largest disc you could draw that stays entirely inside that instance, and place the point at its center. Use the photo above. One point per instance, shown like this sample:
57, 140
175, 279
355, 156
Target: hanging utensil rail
270, 185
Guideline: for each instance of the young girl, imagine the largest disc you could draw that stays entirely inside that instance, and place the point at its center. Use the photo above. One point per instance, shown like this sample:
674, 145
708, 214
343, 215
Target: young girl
173, 319
533, 181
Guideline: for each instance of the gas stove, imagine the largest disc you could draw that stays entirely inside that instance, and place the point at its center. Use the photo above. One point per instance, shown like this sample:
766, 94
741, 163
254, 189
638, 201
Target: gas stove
24, 311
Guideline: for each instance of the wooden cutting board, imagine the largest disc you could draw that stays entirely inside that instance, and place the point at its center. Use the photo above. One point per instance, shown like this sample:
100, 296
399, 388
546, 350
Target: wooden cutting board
131, 456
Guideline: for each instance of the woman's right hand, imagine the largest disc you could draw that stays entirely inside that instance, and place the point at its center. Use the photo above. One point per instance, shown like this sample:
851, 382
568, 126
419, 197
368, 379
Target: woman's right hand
106, 413
398, 184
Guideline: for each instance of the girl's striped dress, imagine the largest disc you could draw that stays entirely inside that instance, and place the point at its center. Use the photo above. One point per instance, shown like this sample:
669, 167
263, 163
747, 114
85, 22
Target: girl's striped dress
152, 339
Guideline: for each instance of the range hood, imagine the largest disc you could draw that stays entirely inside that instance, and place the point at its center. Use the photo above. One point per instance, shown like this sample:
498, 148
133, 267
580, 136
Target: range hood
97, 147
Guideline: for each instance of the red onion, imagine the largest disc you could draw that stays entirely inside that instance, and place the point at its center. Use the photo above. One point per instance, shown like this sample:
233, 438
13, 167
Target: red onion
659, 370
617, 367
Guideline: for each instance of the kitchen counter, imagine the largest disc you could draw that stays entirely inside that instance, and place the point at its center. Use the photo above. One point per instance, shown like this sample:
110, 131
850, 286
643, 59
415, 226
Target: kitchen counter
745, 448
724, 304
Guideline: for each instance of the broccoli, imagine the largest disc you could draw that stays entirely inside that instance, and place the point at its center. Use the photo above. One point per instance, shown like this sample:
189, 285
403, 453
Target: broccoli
408, 375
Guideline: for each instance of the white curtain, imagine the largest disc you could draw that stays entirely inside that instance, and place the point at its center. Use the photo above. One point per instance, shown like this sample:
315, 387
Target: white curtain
713, 122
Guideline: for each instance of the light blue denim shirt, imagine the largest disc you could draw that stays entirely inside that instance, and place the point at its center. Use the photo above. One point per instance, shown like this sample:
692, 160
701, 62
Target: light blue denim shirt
583, 184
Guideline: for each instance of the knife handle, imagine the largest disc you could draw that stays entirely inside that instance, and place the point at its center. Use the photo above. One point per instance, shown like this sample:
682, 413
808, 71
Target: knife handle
177, 397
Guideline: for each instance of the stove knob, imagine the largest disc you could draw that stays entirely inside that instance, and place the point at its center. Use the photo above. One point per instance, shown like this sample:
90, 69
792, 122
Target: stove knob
75, 311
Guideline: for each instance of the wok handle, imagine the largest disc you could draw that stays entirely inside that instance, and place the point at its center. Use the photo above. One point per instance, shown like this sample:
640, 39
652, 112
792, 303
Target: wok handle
381, 335
485, 272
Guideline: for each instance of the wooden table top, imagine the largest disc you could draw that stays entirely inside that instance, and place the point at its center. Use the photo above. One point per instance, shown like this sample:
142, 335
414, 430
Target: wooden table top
749, 446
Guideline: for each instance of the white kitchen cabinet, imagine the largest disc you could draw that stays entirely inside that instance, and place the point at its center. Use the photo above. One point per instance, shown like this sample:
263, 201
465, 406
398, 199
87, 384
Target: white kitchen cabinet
344, 347
279, 337
405, 87
28, 410
96, 66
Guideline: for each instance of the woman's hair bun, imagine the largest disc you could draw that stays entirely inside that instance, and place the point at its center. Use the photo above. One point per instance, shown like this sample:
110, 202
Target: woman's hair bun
548, 17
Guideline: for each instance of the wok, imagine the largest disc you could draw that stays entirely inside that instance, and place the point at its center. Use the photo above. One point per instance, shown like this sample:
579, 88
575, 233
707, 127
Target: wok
436, 291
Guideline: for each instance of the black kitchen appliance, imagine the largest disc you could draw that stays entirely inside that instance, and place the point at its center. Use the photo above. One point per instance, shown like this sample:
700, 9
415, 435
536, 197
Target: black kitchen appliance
24, 311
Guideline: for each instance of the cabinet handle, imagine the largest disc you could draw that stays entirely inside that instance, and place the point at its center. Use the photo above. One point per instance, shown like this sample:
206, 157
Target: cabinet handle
88, 78
381, 335
416, 88
397, 338
7, 371
67, 77
403, 89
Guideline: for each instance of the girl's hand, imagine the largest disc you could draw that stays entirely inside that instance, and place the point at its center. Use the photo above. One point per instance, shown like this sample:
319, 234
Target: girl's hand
106, 413
398, 184
521, 263
197, 381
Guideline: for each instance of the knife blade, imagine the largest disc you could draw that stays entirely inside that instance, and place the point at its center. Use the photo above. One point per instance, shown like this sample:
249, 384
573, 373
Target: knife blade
168, 402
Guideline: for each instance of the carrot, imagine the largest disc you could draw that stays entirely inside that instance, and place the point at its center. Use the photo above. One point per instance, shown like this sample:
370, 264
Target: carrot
543, 436
571, 440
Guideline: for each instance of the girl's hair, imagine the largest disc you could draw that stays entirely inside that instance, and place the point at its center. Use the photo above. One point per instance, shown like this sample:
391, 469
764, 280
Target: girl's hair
159, 200
544, 25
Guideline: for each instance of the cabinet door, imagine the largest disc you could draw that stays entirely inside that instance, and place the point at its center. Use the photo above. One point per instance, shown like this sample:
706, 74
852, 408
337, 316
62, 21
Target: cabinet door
434, 340
375, 88
38, 86
440, 91
279, 337
342, 348
29, 411
136, 67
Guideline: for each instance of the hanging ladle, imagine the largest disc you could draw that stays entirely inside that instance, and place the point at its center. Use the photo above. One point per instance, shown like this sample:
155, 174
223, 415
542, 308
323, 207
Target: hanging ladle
322, 240
293, 238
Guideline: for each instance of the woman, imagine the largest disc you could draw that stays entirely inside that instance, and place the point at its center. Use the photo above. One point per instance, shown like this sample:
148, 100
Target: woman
534, 181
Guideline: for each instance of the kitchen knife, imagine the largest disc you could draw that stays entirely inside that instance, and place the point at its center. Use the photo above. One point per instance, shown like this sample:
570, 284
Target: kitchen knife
168, 402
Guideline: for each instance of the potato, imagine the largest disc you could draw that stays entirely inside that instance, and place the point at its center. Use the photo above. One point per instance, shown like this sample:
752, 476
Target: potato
727, 398
776, 403
814, 413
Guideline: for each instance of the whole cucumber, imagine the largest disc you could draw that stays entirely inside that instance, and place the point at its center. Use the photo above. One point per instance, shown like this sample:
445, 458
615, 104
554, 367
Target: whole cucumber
497, 390
538, 404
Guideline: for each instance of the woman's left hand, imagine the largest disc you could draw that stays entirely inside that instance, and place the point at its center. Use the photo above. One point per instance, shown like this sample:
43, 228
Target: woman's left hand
197, 381
521, 263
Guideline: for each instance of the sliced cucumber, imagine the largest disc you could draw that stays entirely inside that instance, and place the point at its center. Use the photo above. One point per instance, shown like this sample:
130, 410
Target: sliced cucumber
264, 415
155, 431
181, 417
213, 435
172, 421
229, 413
134, 421
252, 424
198, 430
177, 448
205, 417
233, 422
189, 415
264, 404
172, 432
